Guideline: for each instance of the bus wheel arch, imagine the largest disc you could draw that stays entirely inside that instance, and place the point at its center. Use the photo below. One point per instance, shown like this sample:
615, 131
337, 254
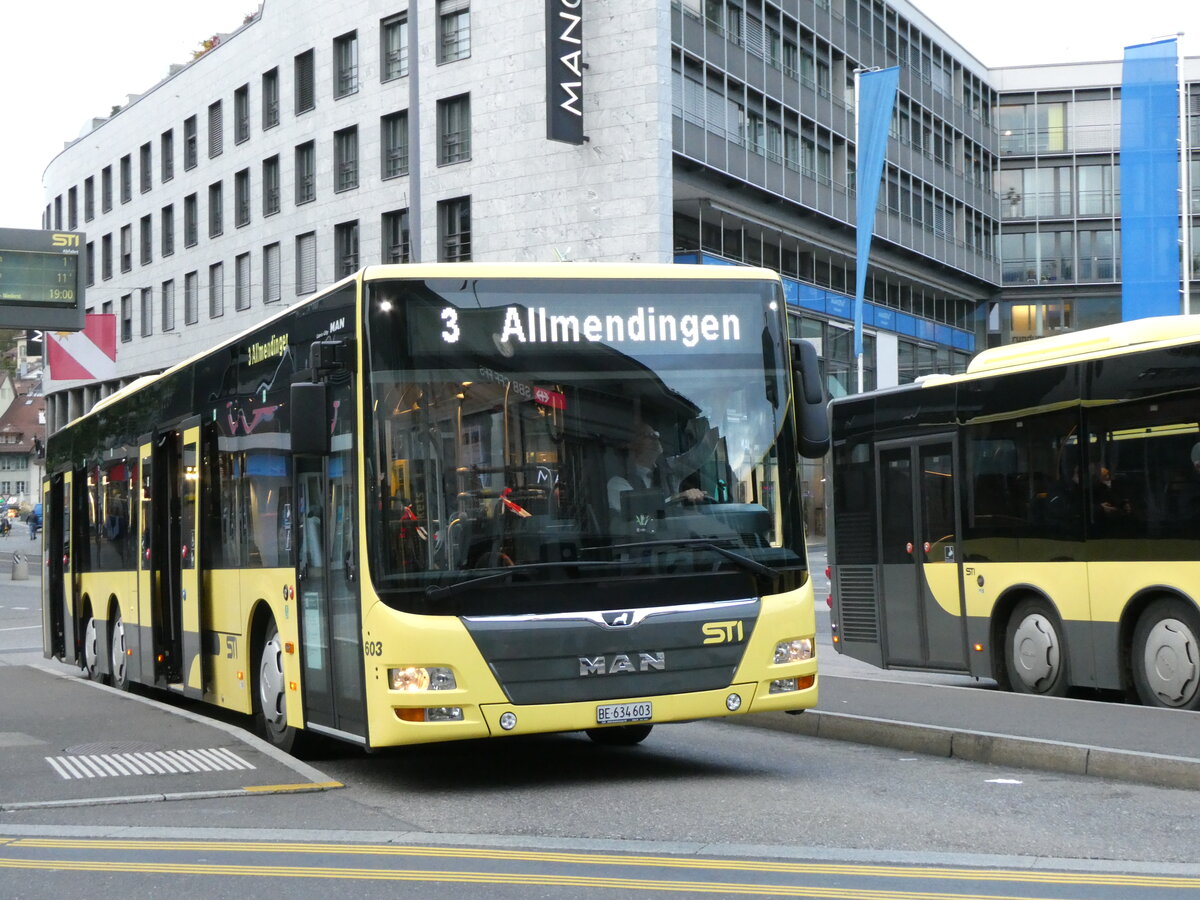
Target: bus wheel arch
269, 687
1035, 653
118, 656
1164, 653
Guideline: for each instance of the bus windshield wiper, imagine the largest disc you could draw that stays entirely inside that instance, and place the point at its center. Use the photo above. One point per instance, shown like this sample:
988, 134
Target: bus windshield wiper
743, 562
439, 591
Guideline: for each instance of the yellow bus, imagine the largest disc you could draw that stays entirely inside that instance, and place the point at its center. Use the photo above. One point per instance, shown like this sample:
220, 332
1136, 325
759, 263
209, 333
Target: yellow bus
403, 510
1035, 520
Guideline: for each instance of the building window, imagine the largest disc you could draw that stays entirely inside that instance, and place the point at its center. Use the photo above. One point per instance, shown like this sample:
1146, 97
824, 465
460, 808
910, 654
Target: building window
216, 290
106, 256
166, 152
270, 99
191, 298
147, 238
345, 64
396, 237
306, 263
106, 189
454, 129
216, 129
127, 318
89, 199
394, 138
241, 281
168, 305
393, 47
271, 292
454, 230
90, 264
191, 221
306, 98
190, 152
126, 248
241, 198
270, 186
72, 208
147, 311
241, 114
168, 229
345, 249
216, 210
58, 212
454, 30
306, 172
345, 158
145, 163
126, 178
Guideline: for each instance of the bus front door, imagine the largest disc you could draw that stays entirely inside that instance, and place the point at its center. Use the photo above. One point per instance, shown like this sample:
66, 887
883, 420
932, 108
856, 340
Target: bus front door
923, 614
326, 580
56, 605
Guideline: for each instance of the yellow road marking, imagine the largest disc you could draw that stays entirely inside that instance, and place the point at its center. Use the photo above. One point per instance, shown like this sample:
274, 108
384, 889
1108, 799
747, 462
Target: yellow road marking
707, 887
670, 862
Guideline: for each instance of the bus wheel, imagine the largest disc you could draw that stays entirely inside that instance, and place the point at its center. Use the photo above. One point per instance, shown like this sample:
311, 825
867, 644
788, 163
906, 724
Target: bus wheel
1037, 657
271, 692
1166, 655
118, 656
91, 652
619, 735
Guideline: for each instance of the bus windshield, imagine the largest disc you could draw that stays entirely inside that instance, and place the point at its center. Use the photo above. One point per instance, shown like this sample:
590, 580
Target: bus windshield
538, 431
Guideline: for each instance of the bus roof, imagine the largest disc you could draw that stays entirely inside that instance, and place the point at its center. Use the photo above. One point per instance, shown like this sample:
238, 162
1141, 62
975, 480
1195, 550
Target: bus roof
1102, 341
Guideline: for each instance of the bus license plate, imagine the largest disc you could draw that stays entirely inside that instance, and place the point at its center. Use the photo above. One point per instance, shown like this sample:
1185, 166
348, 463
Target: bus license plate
615, 713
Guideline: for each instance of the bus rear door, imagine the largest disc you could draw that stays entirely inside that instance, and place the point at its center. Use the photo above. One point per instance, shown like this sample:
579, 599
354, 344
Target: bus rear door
920, 579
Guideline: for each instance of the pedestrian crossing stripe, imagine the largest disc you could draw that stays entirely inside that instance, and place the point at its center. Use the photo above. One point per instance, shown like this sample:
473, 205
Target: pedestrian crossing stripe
153, 762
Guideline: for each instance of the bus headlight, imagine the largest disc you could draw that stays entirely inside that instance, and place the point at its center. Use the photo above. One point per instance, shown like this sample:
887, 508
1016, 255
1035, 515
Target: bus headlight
797, 650
421, 678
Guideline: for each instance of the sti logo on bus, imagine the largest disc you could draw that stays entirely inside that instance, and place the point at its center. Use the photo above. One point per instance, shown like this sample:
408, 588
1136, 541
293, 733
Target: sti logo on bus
621, 663
722, 632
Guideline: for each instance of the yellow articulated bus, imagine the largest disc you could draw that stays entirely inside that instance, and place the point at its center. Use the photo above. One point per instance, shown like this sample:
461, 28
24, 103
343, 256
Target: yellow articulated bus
452, 501
1035, 520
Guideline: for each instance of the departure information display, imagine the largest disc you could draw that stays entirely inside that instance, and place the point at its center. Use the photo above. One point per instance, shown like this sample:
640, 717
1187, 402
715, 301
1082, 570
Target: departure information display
41, 278
27, 276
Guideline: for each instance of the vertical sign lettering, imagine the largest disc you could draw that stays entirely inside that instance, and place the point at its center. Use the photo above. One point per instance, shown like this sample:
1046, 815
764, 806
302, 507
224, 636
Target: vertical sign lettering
564, 71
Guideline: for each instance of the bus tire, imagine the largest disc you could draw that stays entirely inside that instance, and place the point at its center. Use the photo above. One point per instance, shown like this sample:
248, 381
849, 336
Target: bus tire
270, 692
91, 650
619, 735
1035, 653
1166, 655
118, 657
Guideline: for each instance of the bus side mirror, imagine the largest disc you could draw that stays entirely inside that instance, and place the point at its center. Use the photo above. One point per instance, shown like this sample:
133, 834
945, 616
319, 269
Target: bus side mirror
810, 398
310, 418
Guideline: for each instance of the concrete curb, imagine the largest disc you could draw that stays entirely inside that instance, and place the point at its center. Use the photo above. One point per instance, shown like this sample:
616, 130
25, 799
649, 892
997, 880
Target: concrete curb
982, 747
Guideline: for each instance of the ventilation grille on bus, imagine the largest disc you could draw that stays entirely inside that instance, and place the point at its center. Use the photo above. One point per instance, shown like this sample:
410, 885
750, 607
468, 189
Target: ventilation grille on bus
855, 537
857, 601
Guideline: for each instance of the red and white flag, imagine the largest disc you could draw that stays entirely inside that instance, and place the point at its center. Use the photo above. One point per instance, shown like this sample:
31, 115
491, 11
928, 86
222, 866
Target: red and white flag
89, 355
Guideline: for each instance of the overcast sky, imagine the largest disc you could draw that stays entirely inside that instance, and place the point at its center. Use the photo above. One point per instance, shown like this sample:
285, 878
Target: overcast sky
63, 63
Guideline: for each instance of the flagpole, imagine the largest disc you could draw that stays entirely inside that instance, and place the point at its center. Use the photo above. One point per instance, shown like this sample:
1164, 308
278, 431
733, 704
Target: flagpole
857, 187
1185, 205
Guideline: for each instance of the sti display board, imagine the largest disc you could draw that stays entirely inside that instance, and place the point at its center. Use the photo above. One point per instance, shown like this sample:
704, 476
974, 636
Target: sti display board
42, 279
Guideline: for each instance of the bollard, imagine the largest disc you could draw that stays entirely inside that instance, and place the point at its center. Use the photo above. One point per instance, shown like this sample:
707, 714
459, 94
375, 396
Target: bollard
20, 567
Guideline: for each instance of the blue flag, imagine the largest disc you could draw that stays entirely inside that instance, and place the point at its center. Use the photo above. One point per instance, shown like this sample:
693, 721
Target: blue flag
1149, 181
876, 97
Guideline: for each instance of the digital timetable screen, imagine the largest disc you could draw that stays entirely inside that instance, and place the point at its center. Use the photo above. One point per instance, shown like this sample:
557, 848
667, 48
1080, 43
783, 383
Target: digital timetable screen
41, 283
